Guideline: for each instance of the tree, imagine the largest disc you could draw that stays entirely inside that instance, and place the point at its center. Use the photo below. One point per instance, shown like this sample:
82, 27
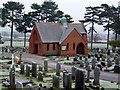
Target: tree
48, 12
10, 12
49, 9
106, 19
69, 18
24, 25
91, 16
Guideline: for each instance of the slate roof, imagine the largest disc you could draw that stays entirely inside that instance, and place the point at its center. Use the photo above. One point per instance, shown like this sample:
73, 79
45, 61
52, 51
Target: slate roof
55, 32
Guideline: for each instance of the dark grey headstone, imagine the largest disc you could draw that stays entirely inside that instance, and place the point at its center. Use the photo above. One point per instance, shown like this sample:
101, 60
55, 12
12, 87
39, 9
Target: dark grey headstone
27, 70
40, 76
73, 70
75, 58
117, 60
67, 57
34, 69
12, 76
22, 70
96, 76
117, 68
88, 72
55, 81
58, 67
40, 68
93, 63
46, 65
81, 63
67, 81
109, 62
79, 80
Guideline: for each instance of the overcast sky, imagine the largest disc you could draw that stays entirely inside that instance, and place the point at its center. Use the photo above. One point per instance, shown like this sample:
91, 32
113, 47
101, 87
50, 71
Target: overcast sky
75, 8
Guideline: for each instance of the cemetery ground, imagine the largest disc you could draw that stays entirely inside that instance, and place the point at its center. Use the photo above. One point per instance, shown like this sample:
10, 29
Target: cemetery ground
59, 72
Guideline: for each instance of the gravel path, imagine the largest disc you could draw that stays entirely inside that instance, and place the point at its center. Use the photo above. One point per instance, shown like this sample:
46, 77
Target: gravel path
109, 76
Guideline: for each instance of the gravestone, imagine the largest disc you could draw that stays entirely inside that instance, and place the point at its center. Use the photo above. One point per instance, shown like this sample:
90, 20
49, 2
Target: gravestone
81, 63
27, 70
103, 63
19, 85
64, 72
58, 67
12, 74
101, 55
45, 65
96, 76
88, 72
20, 56
34, 69
117, 68
109, 62
80, 57
12, 77
75, 58
93, 63
40, 76
89, 56
40, 68
79, 80
29, 87
86, 62
67, 57
117, 60
111, 68
55, 81
100, 66
22, 68
67, 81
73, 70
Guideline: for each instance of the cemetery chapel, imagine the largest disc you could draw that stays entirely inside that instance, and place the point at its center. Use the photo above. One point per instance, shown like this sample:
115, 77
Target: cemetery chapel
58, 39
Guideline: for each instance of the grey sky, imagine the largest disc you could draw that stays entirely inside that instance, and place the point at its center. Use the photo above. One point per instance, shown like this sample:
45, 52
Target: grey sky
75, 8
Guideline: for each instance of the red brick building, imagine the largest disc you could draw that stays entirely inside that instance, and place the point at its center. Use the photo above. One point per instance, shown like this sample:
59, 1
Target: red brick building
57, 39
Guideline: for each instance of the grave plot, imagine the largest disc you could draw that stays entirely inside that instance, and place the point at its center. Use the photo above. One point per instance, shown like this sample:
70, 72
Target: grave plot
32, 75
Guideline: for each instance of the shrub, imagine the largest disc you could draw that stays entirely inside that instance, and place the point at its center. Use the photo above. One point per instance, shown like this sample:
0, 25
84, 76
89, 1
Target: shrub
114, 43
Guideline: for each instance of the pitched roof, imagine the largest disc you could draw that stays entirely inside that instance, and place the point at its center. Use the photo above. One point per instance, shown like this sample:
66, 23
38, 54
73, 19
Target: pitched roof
55, 32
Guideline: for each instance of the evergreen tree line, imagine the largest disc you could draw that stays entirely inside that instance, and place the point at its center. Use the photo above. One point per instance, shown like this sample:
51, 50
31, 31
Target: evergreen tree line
108, 16
13, 15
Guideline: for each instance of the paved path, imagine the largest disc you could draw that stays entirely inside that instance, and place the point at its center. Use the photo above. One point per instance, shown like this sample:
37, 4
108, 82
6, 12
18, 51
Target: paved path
109, 76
